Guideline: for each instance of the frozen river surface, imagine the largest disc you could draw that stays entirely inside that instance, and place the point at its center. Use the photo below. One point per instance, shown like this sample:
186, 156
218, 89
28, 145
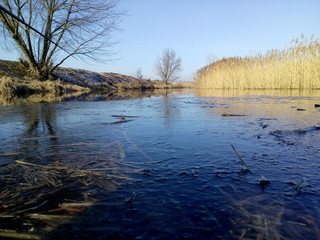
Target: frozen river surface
183, 178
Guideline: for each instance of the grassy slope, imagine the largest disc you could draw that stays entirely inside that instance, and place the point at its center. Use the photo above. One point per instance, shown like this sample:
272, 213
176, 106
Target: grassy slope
16, 81
68, 79
68, 76
12, 69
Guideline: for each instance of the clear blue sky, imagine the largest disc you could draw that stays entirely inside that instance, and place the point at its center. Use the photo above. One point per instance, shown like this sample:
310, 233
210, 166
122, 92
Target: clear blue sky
196, 29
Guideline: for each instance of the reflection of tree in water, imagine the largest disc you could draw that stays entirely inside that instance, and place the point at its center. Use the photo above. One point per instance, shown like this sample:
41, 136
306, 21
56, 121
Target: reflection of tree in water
39, 137
169, 111
37, 116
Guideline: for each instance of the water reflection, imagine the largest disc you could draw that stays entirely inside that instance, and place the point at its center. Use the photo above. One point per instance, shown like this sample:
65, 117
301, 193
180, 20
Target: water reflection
79, 96
170, 109
135, 94
293, 109
40, 98
259, 92
39, 117
39, 138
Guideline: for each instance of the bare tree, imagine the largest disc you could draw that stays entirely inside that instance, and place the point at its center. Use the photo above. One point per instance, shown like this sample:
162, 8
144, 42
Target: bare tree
67, 28
139, 74
168, 65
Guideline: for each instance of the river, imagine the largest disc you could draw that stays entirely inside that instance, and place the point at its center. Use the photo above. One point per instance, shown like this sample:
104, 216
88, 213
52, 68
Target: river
182, 155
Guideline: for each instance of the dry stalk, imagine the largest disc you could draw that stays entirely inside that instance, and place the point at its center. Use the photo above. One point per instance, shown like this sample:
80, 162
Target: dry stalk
244, 164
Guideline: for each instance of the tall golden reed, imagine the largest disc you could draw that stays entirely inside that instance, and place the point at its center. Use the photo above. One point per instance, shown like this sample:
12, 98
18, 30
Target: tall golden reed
296, 67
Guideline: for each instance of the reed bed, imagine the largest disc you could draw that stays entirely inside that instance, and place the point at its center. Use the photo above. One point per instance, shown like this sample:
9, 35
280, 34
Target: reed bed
296, 67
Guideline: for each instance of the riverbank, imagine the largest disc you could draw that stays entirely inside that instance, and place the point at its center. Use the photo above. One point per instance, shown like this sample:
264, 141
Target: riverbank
15, 80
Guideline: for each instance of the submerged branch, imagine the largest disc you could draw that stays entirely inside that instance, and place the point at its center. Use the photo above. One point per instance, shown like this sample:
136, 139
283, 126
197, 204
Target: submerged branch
297, 186
246, 168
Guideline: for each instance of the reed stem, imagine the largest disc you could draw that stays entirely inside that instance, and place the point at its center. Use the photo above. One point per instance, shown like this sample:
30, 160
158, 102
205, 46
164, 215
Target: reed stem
244, 164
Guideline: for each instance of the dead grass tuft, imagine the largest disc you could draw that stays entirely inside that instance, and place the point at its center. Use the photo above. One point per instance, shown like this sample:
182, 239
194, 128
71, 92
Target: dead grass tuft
11, 87
183, 85
7, 86
135, 84
171, 85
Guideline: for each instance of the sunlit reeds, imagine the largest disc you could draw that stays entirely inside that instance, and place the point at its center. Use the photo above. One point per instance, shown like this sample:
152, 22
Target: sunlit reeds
296, 67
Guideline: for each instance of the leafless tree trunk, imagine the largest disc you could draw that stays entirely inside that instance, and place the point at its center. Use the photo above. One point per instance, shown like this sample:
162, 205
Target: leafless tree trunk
69, 28
168, 66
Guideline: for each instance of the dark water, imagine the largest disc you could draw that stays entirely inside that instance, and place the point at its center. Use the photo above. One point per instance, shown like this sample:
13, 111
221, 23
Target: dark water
187, 181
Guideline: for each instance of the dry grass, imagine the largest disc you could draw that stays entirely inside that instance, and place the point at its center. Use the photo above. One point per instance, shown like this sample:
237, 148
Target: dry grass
13, 69
40, 194
17, 91
55, 87
7, 86
183, 85
297, 67
159, 84
10, 87
162, 85
135, 84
